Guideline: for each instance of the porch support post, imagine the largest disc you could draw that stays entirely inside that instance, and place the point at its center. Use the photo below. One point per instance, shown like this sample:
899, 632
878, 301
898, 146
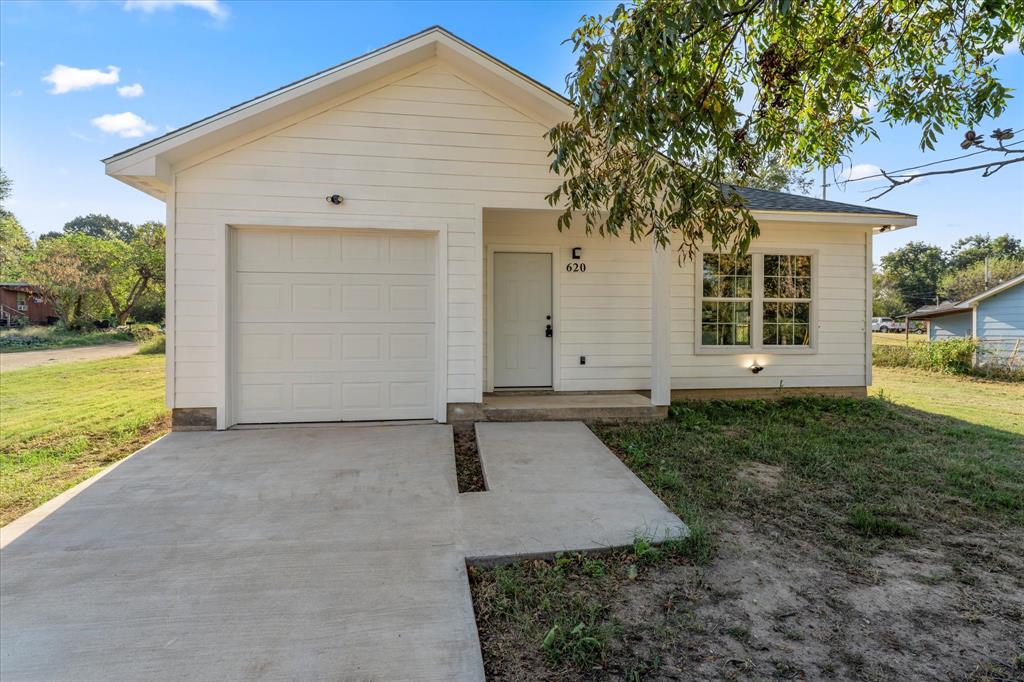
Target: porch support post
661, 325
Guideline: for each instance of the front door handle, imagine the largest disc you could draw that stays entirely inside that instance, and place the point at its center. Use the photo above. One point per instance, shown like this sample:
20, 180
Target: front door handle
548, 332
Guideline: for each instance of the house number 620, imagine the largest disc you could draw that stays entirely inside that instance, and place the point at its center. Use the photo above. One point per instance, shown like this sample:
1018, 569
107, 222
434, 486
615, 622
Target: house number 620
575, 267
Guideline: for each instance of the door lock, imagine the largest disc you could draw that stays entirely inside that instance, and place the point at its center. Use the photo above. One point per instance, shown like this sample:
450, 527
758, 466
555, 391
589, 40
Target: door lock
548, 332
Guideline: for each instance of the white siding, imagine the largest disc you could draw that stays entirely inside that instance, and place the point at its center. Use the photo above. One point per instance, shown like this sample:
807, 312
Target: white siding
432, 150
840, 293
605, 313
429, 149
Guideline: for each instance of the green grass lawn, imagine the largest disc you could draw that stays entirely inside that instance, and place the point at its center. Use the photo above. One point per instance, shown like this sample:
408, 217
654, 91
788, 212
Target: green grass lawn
833, 482
63, 423
48, 337
881, 339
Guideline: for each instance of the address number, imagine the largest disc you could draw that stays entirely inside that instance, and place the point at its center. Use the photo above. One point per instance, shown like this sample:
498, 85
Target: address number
575, 267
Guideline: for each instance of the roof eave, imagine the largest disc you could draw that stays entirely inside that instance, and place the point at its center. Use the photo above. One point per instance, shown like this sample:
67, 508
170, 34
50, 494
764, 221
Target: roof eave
881, 222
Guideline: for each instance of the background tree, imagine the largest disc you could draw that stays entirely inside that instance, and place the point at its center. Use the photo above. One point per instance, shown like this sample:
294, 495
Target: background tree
100, 226
959, 285
130, 269
976, 248
772, 174
913, 273
658, 87
887, 300
14, 240
71, 283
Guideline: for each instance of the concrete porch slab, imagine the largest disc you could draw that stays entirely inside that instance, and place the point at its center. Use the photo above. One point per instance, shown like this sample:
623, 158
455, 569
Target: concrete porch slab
596, 407
318, 552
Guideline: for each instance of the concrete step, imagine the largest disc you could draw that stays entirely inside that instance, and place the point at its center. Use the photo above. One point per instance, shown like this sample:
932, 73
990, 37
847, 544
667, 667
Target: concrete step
603, 408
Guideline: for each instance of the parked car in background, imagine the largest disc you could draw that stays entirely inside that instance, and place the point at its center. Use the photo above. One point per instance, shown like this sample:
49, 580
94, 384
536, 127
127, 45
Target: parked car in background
883, 324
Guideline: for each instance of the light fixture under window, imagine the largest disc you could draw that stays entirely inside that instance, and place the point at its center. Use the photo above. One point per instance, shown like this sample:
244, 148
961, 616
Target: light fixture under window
336, 199
756, 368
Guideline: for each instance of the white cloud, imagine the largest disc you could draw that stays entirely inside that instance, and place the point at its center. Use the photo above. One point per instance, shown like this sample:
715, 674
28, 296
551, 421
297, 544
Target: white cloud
134, 90
68, 78
125, 124
860, 170
212, 7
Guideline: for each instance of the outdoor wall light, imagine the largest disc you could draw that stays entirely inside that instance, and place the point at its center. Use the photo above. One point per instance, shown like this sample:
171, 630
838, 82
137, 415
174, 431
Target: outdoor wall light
336, 199
577, 252
756, 368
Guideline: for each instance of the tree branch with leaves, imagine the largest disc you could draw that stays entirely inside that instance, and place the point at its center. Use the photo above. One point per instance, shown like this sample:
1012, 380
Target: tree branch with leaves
675, 100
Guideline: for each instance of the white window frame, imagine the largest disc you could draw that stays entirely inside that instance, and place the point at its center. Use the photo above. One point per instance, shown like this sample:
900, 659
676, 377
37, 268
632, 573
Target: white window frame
757, 306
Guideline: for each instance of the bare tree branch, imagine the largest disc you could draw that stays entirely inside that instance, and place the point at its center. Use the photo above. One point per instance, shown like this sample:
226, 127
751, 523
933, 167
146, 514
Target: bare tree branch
986, 168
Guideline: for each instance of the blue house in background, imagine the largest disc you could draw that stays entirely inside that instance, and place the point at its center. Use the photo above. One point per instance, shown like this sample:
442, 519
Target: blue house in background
995, 316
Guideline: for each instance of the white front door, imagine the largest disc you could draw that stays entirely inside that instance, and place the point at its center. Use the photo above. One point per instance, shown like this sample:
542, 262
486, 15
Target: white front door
333, 325
522, 316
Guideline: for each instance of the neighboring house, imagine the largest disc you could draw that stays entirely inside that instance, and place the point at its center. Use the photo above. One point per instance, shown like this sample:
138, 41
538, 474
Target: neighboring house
995, 316
373, 242
22, 300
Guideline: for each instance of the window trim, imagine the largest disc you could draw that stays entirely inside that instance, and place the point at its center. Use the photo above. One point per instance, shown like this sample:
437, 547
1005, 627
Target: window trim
757, 305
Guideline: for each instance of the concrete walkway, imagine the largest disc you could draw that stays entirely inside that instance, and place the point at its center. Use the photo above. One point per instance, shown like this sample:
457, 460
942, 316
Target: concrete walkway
33, 358
301, 553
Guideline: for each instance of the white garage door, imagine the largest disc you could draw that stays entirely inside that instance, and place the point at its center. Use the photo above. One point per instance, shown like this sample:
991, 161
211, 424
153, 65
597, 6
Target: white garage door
333, 325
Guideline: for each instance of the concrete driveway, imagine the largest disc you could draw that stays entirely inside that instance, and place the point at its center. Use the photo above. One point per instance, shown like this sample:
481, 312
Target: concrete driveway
55, 356
301, 553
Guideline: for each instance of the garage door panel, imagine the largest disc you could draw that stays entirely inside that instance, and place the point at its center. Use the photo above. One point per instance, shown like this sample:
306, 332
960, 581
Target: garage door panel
333, 396
334, 347
321, 251
333, 326
319, 297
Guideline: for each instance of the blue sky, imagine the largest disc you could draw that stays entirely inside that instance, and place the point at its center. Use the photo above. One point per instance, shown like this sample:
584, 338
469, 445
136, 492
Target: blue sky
175, 62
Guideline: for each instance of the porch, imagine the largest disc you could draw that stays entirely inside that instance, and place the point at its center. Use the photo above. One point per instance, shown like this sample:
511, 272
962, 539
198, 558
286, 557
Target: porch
523, 406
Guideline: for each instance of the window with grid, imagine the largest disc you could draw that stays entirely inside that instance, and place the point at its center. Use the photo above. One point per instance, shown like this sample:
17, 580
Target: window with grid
786, 303
726, 300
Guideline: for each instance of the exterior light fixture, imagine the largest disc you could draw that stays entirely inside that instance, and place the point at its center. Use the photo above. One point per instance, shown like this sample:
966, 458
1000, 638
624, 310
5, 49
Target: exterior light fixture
577, 252
756, 368
336, 199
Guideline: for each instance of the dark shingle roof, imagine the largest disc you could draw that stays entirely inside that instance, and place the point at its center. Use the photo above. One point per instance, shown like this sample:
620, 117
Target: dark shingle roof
926, 311
764, 200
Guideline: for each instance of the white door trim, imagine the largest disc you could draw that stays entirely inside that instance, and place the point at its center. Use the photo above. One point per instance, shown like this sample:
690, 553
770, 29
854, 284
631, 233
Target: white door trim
225, 338
556, 374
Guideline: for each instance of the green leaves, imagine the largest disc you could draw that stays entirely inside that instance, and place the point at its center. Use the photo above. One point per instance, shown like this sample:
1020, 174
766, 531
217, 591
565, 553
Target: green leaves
665, 114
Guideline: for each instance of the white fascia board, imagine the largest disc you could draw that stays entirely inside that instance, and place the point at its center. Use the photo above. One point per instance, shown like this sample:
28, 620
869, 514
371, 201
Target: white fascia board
876, 220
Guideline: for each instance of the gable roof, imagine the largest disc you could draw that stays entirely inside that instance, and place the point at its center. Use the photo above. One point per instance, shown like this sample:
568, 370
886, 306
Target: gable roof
925, 312
147, 166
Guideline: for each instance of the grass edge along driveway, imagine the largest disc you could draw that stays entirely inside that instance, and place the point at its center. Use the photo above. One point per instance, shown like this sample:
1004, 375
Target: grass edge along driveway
63, 423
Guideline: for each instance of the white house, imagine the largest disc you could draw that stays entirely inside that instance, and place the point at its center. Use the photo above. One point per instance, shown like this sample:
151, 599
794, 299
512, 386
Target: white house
437, 276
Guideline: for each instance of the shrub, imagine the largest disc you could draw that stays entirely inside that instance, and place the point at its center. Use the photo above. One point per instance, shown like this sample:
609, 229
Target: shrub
156, 345
950, 356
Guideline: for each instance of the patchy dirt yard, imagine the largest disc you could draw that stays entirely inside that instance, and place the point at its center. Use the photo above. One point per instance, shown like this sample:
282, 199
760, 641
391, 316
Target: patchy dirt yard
824, 548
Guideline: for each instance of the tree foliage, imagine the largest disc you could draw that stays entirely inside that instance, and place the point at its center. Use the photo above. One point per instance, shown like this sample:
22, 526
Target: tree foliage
100, 226
659, 88
921, 274
70, 281
90, 277
771, 174
963, 283
975, 249
913, 272
14, 240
